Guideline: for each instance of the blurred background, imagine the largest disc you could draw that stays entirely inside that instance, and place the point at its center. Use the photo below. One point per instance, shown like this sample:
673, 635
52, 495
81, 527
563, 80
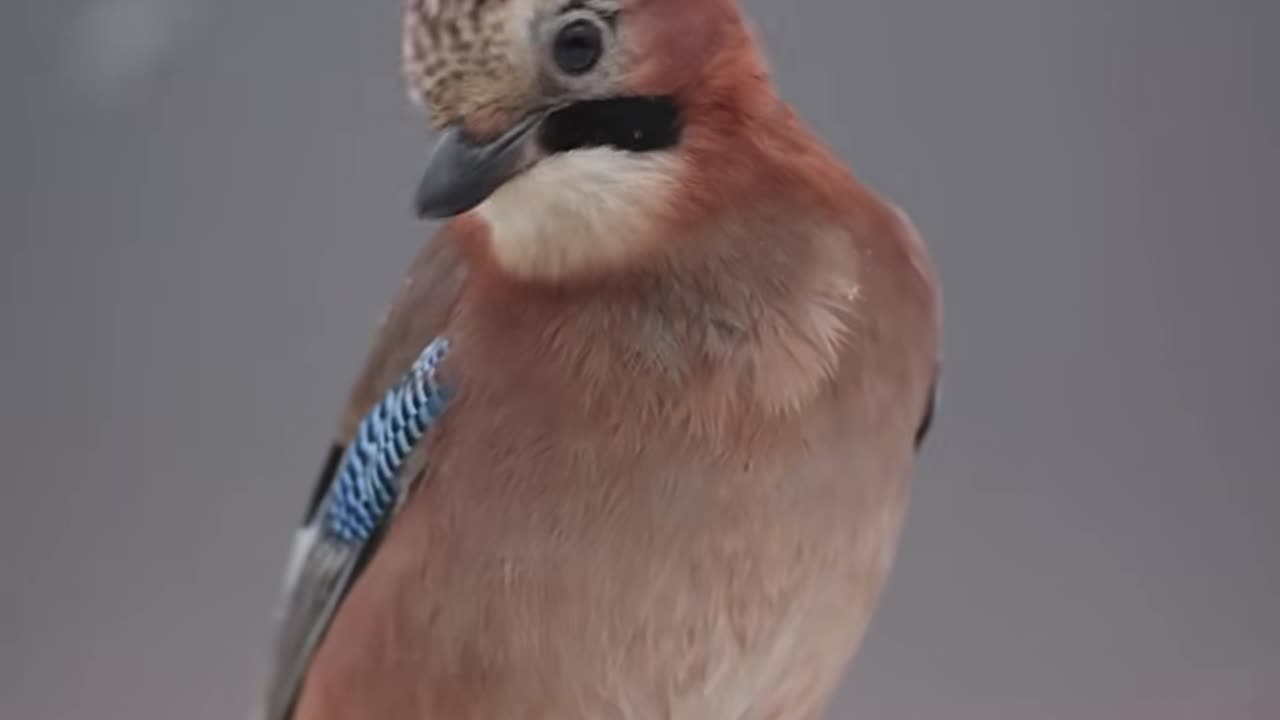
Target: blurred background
206, 205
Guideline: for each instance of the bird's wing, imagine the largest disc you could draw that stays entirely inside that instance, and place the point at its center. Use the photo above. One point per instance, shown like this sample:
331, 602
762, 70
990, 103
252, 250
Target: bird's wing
930, 409
373, 458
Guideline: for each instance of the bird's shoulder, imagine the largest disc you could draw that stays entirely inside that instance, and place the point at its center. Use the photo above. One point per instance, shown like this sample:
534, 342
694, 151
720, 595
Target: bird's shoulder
417, 313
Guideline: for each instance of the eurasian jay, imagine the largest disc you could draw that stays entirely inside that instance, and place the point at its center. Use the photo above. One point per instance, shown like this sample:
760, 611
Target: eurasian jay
635, 437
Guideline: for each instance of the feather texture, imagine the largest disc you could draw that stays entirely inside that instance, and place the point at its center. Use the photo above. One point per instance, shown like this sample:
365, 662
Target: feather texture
366, 486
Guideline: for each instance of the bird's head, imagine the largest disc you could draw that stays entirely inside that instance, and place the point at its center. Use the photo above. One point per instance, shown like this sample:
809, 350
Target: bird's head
575, 128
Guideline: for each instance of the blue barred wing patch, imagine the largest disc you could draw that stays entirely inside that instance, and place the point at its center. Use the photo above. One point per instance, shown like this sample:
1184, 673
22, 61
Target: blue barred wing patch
367, 484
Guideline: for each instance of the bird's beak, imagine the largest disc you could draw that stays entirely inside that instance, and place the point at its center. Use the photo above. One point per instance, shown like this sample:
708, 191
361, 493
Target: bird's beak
461, 173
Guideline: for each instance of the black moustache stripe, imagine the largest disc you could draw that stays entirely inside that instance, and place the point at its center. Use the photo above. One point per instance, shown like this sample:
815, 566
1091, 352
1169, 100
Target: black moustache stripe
636, 124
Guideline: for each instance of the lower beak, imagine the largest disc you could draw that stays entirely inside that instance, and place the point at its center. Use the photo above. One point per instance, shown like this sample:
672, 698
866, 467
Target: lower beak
461, 174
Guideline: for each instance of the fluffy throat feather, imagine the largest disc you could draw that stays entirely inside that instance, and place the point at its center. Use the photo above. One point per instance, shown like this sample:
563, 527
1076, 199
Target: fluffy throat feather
587, 210
595, 202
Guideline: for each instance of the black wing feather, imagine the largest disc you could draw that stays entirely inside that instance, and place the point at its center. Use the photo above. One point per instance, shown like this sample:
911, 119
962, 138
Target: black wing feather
926, 422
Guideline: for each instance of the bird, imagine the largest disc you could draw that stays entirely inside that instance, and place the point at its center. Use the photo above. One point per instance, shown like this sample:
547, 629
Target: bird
636, 434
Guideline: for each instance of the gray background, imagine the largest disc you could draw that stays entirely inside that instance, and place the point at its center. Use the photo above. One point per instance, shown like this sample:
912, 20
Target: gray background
206, 204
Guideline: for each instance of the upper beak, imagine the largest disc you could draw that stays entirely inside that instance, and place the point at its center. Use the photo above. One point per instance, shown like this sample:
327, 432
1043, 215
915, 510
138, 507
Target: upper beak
461, 174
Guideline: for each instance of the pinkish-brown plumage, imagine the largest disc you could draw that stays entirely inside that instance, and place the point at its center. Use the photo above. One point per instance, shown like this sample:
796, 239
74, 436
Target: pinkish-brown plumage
672, 481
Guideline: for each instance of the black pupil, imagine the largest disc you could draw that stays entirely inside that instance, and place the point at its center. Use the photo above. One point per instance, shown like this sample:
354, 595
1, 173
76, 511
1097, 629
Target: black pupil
578, 47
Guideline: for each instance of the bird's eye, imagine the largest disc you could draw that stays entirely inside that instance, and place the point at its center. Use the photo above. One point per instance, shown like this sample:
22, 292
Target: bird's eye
578, 47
